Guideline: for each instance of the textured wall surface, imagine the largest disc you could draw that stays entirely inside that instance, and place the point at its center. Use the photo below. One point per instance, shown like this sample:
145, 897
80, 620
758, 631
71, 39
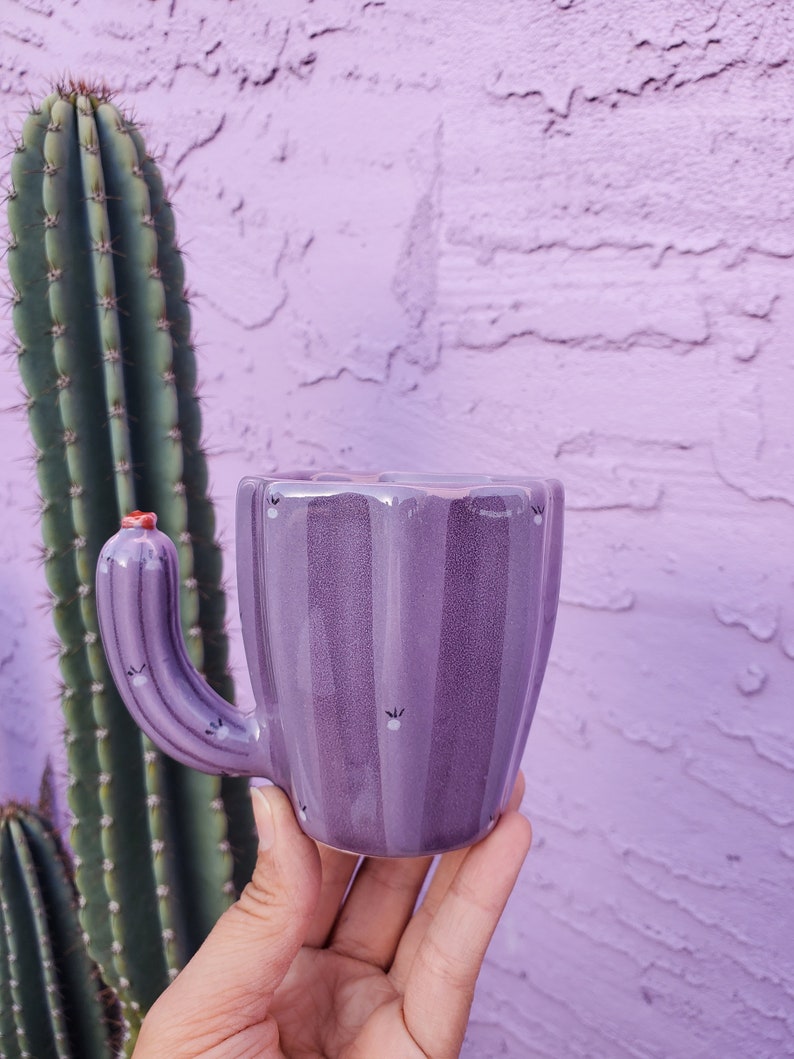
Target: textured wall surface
521, 235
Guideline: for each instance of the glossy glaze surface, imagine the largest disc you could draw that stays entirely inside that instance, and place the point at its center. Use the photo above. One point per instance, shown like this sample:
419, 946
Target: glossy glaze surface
397, 629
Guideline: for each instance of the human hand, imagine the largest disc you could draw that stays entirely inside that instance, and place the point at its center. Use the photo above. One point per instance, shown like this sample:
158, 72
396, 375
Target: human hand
296, 970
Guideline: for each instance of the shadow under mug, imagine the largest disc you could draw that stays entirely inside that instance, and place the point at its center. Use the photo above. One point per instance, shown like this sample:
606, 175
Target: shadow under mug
396, 628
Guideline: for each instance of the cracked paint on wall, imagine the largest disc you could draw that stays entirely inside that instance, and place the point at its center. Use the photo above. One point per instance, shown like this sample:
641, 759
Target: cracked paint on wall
555, 237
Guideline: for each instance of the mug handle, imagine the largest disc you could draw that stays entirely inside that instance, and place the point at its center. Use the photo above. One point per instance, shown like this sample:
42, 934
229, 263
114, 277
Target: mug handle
138, 607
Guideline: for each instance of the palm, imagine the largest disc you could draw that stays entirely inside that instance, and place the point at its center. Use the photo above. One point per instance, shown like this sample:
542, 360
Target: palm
345, 993
359, 1013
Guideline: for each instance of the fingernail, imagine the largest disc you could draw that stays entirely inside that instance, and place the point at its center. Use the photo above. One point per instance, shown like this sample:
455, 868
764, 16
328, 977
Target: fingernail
263, 817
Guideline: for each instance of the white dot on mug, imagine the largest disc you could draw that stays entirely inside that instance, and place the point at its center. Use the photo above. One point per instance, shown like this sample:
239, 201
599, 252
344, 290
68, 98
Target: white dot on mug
538, 519
272, 513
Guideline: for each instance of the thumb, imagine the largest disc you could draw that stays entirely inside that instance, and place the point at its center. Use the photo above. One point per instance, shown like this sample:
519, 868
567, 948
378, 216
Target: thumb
244, 959
264, 930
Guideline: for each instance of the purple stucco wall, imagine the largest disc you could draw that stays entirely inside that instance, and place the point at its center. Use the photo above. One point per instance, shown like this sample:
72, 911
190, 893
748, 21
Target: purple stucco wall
529, 236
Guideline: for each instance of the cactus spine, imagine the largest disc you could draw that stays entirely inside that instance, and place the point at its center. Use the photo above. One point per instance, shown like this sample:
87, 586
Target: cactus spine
51, 1002
106, 359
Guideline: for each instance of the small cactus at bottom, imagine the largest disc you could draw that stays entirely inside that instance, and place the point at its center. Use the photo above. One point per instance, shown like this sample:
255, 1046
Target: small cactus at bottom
53, 1004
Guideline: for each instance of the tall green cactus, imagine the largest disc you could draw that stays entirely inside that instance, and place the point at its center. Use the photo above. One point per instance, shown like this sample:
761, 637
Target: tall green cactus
51, 997
106, 358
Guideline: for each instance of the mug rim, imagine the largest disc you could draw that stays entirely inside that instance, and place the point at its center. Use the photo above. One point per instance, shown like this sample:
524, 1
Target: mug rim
416, 479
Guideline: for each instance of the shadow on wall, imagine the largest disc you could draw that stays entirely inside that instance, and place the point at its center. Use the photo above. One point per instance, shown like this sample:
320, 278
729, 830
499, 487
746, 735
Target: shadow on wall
30, 722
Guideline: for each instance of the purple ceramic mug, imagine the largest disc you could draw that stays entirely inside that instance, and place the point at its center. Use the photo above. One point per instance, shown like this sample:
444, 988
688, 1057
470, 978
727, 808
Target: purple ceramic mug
396, 627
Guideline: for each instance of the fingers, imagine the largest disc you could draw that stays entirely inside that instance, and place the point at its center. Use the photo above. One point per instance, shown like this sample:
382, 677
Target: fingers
446, 870
380, 904
229, 983
337, 871
517, 796
376, 923
440, 984
449, 863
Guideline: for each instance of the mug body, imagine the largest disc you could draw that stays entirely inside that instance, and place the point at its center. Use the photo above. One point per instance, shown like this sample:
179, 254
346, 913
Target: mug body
397, 628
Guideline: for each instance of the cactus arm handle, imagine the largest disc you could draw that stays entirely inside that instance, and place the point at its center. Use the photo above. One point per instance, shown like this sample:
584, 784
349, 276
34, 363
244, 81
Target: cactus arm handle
138, 606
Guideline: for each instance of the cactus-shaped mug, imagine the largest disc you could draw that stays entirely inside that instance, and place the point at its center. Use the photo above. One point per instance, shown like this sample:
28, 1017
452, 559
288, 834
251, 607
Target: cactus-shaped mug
396, 627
